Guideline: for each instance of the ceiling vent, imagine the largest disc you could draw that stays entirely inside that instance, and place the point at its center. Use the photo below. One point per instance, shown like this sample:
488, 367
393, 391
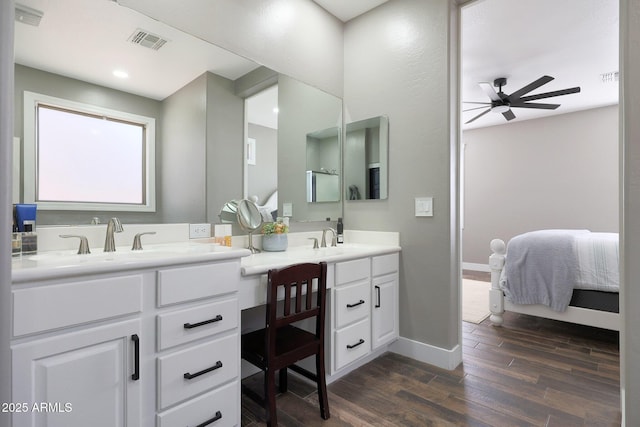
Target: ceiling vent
147, 39
27, 15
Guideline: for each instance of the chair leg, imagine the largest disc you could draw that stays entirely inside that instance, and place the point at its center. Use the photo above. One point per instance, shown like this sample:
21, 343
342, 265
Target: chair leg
270, 397
323, 400
284, 385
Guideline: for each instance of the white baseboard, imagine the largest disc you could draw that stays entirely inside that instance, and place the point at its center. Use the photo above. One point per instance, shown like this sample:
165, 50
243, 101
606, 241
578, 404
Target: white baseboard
476, 267
440, 357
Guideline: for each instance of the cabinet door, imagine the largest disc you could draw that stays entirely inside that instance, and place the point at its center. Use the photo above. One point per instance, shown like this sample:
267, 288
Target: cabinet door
384, 322
84, 378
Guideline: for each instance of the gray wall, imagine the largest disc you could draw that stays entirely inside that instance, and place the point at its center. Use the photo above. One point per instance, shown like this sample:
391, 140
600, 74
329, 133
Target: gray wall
225, 130
29, 79
397, 64
183, 163
263, 176
630, 209
556, 172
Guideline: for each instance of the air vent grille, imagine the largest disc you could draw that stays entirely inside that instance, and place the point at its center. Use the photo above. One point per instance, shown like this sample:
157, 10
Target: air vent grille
147, 39
27, 15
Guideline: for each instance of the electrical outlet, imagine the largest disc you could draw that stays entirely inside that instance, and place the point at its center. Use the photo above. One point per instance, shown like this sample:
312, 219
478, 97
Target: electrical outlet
199, 231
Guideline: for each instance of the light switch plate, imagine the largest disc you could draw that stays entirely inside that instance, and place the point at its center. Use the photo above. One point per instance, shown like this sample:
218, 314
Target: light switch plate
287, 209
424, 206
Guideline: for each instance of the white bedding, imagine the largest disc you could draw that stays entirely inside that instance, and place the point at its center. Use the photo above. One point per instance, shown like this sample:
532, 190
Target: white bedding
543, 267
598, 262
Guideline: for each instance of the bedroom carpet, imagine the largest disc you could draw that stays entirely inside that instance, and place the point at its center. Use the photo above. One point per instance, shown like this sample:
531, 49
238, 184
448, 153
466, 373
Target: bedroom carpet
475, 300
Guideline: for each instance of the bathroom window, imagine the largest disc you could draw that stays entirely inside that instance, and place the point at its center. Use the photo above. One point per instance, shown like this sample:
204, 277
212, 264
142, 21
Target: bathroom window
83, 157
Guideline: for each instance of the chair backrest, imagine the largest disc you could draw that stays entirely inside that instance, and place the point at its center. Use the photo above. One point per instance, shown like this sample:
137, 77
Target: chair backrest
292, 282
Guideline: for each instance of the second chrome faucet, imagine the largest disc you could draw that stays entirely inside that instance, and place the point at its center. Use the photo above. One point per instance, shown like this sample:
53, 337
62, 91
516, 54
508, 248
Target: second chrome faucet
114, 226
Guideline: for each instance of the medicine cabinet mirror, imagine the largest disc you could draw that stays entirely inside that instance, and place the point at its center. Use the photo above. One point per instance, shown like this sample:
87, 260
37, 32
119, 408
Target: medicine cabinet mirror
366, 159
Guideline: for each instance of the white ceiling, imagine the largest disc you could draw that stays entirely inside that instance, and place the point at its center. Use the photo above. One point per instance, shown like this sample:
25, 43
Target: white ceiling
346, 10
574, 41
88, 39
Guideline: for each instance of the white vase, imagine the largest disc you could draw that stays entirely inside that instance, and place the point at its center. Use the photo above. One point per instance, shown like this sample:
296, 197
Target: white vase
274, 242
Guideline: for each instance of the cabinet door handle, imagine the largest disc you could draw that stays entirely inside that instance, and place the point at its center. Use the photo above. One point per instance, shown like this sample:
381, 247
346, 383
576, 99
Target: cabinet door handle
350, 346
136, 357
356, 304
206, 322
378, 297
189, 376
216, 417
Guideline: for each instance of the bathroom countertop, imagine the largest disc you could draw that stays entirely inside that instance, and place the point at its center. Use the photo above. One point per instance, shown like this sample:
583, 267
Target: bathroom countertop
65, 263
262, 262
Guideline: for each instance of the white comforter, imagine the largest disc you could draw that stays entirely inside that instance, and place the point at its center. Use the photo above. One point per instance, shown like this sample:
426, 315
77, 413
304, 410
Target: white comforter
543, 267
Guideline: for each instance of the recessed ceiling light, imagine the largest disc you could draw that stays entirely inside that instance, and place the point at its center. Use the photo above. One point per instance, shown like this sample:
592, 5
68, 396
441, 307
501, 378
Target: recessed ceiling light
276, 110
120, 74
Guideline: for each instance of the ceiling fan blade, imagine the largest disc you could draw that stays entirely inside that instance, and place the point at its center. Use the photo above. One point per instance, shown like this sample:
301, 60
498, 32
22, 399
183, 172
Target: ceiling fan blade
488, 89
474, 108
531, 86
478, 116
550, 94
509, 115
532, 105
473, 102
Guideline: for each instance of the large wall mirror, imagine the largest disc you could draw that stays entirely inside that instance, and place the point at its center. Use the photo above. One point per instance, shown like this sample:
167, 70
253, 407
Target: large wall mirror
190, 87
366, 159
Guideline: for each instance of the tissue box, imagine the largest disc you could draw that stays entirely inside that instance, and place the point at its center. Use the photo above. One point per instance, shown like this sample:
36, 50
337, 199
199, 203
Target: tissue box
24, 212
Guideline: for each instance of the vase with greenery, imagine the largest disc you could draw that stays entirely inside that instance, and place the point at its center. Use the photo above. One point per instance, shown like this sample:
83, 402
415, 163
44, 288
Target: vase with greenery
274, 236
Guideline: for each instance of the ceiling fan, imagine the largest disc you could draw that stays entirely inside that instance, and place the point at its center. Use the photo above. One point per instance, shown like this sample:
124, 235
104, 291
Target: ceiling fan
502, 103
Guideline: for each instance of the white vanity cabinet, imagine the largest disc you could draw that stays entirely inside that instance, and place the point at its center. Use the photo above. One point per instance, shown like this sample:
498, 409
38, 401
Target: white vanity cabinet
364, 308
198, 360
153, 346
384, 297
76, 352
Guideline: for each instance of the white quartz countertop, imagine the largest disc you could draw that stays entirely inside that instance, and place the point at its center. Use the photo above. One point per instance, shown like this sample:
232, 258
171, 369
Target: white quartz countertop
61, 263
262, 262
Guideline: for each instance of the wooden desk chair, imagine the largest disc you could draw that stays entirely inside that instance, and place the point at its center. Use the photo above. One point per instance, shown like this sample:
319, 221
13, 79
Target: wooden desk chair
280, 344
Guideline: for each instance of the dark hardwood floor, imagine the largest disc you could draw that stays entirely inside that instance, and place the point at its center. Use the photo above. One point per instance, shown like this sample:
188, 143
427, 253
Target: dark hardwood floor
530, 372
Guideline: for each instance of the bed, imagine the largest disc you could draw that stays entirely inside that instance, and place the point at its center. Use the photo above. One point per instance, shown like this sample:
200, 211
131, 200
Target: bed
567, 275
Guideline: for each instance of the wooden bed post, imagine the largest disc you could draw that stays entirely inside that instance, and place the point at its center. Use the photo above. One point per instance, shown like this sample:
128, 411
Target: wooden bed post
496, 297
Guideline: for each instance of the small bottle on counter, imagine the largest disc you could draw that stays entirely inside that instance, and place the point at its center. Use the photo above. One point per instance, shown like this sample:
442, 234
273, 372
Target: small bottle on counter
29, 240
16, 242
340, 231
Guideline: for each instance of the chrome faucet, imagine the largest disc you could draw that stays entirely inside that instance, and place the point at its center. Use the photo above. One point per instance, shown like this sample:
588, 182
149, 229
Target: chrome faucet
114, 226
324, 237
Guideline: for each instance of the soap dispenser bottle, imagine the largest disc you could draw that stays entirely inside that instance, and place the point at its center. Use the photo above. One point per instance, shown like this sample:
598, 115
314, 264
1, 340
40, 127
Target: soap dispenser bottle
340, 231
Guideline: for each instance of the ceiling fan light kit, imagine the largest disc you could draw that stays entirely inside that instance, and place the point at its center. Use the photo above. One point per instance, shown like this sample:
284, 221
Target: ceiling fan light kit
502, 103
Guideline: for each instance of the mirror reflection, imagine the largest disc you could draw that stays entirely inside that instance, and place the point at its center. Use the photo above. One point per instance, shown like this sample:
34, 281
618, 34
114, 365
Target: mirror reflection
190, 87
323, 164
366, 163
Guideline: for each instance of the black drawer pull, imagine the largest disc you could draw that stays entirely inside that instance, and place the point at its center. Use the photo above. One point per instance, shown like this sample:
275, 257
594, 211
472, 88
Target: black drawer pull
212, 420
189, 376
356, 304
350, 346
378, 294
206, 322
136, 357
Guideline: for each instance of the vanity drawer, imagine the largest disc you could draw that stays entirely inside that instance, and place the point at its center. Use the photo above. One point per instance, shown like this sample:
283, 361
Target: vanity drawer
204, 408
352, 303
56, 306
181, 326
213, 363
350, 271
352, 342
195, 282
385, 264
